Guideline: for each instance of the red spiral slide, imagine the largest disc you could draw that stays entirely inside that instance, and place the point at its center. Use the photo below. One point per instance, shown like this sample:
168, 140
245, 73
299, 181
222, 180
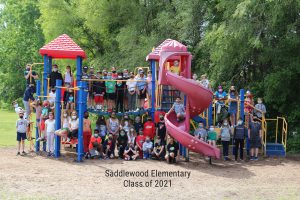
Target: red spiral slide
198, 99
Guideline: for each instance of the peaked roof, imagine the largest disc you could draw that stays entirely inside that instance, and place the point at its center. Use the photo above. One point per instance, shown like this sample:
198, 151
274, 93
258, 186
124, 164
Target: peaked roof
167, 45
62, 47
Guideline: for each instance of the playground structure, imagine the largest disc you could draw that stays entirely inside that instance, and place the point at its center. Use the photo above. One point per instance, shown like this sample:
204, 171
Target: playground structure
198, 100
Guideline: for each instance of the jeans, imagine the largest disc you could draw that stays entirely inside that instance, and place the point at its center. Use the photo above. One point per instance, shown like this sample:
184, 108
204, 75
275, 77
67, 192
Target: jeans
225, 145
131, 101
50, 142
119, 102
239, 144
146, 154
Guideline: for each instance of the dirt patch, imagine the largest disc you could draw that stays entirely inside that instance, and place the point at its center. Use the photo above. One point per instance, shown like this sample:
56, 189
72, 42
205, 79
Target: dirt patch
40, 177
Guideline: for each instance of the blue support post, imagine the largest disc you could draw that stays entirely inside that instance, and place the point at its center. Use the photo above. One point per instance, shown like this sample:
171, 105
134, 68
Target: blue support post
37, 135
81, 101
242, 99
85, 95
153, 70
210, 115
57, 117
49, 64
78, 76
45, 76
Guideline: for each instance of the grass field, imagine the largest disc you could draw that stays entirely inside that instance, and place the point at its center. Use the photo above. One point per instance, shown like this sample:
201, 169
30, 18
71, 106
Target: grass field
8, 128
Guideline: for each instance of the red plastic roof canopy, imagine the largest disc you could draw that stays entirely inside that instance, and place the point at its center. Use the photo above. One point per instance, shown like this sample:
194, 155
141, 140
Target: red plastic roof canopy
167, 45
62, 47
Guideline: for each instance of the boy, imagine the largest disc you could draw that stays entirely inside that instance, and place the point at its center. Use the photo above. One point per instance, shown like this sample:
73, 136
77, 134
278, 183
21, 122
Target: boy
137, 124
212, 136
109, 146
122, 143
159, 149
140, 139
149, 128
161, 129
178, 107
260, 106
95, 146
239, 135
172, 150
201, 132
130, 153
147, 148
22, 128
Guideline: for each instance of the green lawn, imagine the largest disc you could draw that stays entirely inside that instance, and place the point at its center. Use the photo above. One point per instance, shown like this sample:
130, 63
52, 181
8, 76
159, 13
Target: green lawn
8, 128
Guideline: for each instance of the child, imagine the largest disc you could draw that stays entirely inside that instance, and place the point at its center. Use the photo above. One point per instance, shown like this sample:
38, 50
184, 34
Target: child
159, 149
122, 143
225, 138
172, 151
95, 146
50, 129
131, 135
99, 91
68, 76
212, 136
147, 148
110, 92
260, 106
178, 107
126, 123
138, 124
64, 131
130, 153
201, 132
149, 128
233, 99
239, 135
16, 107
73, 126
140, 139
52, 95
161, 129
44, 116
101, 126
69, 99
109, 146
22, 128
87, 132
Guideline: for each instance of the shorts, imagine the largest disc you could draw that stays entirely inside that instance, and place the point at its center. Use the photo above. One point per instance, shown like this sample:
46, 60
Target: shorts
142, 95
98, 99
255, 143
111, 96
232, 109
42, 125
21, 136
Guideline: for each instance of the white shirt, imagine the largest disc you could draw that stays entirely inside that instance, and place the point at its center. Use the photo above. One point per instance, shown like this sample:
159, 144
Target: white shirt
205, 83
50, 125
65, 122
51, 99
74, 123
68, 78
131, 85
21, 125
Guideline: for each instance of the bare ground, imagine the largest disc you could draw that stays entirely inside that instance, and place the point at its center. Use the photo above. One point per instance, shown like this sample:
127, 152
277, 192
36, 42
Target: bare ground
40, 177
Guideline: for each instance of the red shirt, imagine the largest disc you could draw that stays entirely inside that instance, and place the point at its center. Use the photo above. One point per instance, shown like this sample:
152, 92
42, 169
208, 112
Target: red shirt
140, 139
93, 139
149, 129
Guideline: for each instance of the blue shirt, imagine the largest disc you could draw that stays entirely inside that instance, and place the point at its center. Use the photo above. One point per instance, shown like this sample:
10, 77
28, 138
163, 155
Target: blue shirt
220, 96
142, 83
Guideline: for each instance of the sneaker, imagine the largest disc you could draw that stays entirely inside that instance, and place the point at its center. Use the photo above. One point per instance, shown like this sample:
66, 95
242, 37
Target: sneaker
255, 159
137, 110
37, 140
49, 154
18, 154
251, 158
24, 153
174, 160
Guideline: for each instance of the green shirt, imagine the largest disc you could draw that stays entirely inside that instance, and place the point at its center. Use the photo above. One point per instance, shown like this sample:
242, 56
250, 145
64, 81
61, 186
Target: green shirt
212, 135
110, 86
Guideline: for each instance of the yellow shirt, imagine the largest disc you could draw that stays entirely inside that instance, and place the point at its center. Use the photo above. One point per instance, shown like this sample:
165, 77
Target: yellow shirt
174, 69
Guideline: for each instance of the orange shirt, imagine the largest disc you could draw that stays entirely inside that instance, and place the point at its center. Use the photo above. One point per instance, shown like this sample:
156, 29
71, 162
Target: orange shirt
93, 139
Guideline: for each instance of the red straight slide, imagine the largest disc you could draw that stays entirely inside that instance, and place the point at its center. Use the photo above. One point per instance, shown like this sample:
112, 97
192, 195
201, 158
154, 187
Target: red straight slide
198, 99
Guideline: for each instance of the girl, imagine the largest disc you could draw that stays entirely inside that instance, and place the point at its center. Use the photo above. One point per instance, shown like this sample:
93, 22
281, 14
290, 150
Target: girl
149, 87
64, 131
131, 135
68, 76
232, 98
113, 127
212, 136
225, 138
73, 126
125, 124
101, 126
50, 129
248, 107
87, 132
69, 100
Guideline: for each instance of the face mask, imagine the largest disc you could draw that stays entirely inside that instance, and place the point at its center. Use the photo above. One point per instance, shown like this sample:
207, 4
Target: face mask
119, 76
240, 122
141, 133
211, 129
194, 77
126, 123
73, 117
158, 141
149, 120
137, 120
108, 77
161, 118
113, 116
119, 84
85, 117
21, 116
200, 126
53, 91
27, 68
122, 133
259, 102
95, 135
110, 137
55, 69
147, 140
125, 74
91, 72
225, 124
131, 130
131, 77
220, 90
114, 71
65, 115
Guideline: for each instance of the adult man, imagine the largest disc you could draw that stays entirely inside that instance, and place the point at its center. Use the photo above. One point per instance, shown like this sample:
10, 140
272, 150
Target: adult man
30, 76
55, 75
254, 135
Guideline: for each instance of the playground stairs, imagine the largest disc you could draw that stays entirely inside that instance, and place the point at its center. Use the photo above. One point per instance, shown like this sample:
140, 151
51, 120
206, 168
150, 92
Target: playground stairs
275, 149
